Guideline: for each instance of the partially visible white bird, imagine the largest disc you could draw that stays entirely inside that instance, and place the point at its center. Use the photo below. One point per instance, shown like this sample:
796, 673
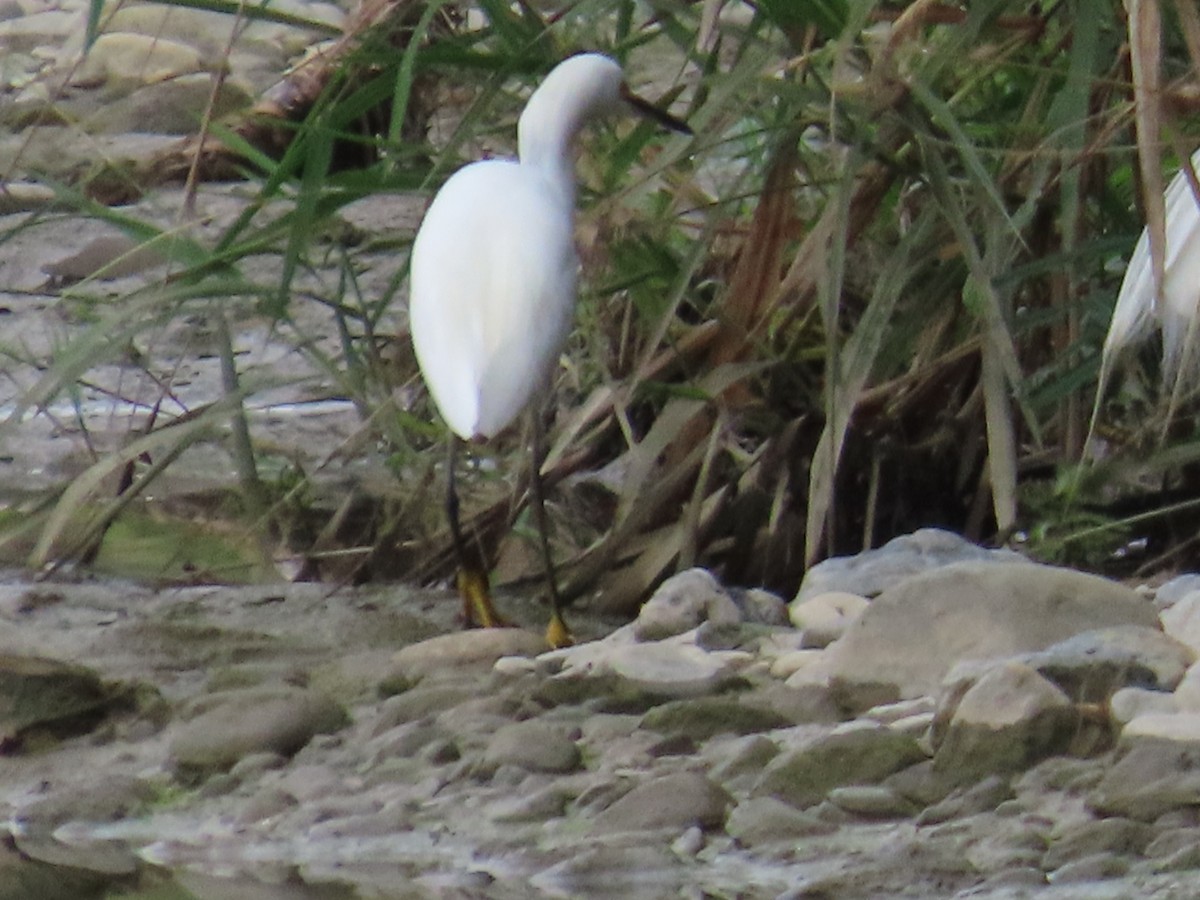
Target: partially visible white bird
493, 286
1138, 305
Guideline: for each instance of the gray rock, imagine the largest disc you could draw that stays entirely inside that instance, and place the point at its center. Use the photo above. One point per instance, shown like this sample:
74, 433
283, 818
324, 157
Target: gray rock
1007, 719
674, 802
107, 256
800, 705
688, 844
601, 793
1091, 868
704, 717
742, 757
1184, 859
683, 602
917, 725
233, 724
717, 636
1150, 777
1129, 703
1067, 774
607, 728
981, 797
440, 752
1181, 727
103, 857
1187, 692
1016, 842
359, 825
405, 740
666, 669
50, 697
465, 882
1090, 666
876, 801
256, 765
824, 617
199, 28
1171, 592
121, 61
759, 821
173, 106
50, 28
479, 718
675, 667
101, 800
858, 753
265, 803
870, 573
920, 783
1184, 817
1169, 842
761, 606
607, 871
1181, 620
1112, 836
474, 650
534, 746
1014, 882
548, 803
421, 701
912, 634
891, 713
331, 799
789, 663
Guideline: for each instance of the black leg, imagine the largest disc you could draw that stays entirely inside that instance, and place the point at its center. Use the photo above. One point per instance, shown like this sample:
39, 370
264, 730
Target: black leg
557, 633
460, 546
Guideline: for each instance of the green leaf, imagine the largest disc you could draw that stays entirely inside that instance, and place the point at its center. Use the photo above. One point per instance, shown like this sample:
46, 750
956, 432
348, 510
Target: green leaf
828, 16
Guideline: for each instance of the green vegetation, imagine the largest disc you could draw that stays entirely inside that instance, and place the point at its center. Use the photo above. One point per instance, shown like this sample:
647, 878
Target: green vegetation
867, 296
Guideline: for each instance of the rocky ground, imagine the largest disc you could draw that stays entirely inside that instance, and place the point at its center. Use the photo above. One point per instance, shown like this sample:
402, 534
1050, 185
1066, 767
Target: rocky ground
927, 720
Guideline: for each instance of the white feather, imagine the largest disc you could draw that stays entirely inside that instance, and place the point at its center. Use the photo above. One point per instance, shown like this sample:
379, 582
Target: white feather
1137, 309
493, 286
494, 263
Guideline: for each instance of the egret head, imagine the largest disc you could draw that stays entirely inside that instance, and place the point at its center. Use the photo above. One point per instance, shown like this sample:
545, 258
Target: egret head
581, 88
578, 89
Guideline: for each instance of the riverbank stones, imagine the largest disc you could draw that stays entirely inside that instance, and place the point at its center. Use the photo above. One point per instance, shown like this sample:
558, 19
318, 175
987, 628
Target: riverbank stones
230, 725
457, 765
911, 635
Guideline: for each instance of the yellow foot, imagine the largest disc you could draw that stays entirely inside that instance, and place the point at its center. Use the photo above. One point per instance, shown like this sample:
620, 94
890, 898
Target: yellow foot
558, 635
477, 600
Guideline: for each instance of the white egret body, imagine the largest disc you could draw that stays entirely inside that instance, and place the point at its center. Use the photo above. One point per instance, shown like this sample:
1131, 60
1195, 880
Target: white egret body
494, 263
493, 284
493, 290
1138, 307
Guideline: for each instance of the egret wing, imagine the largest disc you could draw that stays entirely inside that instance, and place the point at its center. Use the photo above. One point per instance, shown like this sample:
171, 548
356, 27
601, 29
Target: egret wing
1137, 307
493, 289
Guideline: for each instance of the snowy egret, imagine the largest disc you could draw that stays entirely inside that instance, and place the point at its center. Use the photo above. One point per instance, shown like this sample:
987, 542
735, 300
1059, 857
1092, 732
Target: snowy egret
1138, 305
493, 288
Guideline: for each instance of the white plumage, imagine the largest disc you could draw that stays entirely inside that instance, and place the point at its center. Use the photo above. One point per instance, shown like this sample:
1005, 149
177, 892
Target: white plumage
493, 288
1138, 308
494, 263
